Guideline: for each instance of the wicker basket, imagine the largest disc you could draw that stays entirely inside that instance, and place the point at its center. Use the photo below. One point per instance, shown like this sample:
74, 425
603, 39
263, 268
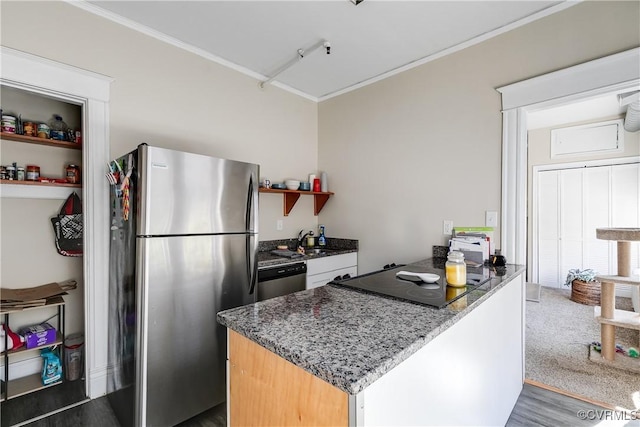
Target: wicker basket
587, 293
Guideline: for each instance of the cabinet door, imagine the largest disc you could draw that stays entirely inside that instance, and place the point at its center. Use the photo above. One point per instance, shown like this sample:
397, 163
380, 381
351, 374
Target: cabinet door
571, 204
322, 279
329, 263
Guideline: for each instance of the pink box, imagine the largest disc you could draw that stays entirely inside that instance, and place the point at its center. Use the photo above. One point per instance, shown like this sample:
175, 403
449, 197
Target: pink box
38, 335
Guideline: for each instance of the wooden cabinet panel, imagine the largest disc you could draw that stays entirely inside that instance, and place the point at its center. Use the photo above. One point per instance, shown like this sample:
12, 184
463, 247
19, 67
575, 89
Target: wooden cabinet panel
267, 390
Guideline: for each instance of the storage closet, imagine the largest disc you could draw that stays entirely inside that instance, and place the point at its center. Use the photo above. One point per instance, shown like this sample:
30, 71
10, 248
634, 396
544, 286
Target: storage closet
570, 204
29, 256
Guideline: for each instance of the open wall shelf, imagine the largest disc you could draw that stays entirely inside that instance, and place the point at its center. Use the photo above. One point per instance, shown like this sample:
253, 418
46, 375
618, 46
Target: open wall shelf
290, 198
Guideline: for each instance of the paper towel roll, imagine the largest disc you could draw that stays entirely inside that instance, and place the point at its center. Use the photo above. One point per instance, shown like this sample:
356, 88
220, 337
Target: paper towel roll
324, 184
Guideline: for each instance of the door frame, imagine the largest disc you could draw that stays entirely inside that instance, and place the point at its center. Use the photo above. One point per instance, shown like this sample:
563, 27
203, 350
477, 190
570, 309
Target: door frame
619, 72
90, 90
533, 268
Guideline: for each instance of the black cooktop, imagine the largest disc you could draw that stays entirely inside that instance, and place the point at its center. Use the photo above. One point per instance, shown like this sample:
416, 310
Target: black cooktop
410, 288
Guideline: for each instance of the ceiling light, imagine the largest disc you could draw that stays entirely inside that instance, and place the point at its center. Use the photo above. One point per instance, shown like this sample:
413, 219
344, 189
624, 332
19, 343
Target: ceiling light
300, 55
356, 2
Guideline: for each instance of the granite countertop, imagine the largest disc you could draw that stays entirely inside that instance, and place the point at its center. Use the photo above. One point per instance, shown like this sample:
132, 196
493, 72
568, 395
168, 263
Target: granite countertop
334, 246
347, 337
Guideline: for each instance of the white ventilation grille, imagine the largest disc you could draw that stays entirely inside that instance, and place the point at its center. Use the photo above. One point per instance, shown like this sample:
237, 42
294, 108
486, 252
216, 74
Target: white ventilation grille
591, 139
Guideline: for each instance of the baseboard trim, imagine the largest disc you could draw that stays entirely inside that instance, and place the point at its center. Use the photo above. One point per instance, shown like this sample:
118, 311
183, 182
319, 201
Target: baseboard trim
57, 411
97, 383
569, 394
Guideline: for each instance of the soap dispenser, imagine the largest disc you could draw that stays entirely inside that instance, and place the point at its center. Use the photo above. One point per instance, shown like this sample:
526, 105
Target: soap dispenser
322, 240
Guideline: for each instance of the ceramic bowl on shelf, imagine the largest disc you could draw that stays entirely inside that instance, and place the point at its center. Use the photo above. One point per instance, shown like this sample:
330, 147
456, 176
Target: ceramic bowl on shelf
292, 184
278, 186
305, 186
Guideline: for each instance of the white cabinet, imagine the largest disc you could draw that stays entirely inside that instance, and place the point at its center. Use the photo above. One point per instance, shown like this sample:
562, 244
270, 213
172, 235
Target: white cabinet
323, 270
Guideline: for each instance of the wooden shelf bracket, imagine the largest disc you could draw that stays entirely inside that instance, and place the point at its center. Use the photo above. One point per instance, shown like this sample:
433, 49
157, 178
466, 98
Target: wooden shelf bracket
292, 196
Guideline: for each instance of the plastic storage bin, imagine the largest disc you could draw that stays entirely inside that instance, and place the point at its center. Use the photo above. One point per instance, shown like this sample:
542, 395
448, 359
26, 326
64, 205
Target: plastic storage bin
74, 356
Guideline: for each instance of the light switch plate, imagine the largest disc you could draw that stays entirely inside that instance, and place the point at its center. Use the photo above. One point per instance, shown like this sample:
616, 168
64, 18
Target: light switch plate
447, 227
279, 225
491, 219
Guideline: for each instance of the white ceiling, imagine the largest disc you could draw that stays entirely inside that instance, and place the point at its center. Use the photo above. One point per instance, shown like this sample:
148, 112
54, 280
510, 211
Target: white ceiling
368, 42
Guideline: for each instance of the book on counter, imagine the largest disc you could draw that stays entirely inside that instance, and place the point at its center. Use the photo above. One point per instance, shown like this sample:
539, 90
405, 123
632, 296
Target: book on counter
473, 242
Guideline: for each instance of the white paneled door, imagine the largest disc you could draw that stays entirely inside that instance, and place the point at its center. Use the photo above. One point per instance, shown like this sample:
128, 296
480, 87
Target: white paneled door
570, 204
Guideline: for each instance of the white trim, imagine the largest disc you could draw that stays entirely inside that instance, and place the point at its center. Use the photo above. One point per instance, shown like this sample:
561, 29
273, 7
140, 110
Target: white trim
614, 73
474, 41
48, 414
83, 4
587, 164
597, 76
91, 91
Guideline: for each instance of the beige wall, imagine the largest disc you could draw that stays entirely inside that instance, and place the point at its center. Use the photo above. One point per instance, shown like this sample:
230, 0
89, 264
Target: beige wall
167, 97
424, 146
539, 154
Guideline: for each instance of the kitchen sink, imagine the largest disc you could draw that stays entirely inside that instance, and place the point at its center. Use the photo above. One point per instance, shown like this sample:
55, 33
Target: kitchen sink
318, 251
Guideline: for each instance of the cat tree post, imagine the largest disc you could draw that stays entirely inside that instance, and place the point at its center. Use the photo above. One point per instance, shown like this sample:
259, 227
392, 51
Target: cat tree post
607, 315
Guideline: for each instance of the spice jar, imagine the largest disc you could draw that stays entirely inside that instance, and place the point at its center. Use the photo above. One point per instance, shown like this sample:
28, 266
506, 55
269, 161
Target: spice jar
11, 172
58, 128
73, 174
33, 172
29, 129
456, 269
20, 173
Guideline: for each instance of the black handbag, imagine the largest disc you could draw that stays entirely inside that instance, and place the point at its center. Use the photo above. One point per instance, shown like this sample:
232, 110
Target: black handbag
68, 227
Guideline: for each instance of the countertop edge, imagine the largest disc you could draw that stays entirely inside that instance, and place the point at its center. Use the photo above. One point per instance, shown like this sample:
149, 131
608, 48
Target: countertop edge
265, 259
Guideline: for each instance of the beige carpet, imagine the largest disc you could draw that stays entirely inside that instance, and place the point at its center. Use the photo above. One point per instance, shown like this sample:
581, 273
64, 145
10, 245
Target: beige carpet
558, 334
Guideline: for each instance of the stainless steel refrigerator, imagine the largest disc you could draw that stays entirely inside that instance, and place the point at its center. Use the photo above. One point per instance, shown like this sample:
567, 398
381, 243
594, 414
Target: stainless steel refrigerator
184, 238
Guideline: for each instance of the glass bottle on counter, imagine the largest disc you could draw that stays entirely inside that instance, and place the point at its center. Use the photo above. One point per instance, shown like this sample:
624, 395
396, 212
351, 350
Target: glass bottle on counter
456, 269
322, 240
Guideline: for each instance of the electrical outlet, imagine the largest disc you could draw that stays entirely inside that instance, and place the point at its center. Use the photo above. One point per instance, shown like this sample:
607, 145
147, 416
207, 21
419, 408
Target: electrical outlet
491, 219
279, 225
447, 227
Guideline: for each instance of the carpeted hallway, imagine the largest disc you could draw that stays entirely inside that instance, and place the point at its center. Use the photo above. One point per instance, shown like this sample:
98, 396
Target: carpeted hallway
558, 334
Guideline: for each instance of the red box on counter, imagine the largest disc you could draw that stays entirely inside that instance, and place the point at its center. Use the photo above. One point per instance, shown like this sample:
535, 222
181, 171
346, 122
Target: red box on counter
38, 335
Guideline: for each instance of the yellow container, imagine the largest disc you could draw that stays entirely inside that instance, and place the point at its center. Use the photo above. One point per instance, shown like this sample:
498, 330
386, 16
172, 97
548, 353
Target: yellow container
456, 269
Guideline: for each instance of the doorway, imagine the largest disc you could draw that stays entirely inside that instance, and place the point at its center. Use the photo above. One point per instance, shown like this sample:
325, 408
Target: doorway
610, 75
90, 91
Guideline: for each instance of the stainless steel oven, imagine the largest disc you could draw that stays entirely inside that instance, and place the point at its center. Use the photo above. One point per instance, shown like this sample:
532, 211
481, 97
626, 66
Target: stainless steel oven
281, 280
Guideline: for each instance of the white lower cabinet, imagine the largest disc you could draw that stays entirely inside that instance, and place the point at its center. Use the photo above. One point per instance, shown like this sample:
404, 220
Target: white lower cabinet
323, 270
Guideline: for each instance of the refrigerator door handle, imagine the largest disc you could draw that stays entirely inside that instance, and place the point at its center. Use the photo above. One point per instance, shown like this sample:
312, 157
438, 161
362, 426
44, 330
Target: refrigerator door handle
249, 213
252, 262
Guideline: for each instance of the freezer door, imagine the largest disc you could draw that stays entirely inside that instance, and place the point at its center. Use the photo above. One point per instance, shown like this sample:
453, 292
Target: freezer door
183, 281
185, 193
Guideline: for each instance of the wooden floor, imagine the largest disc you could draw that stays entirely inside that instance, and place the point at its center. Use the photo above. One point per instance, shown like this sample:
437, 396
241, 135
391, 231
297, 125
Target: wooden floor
536, 406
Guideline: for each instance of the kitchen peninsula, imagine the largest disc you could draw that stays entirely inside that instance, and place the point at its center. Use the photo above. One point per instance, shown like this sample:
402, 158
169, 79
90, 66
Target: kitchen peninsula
337, 356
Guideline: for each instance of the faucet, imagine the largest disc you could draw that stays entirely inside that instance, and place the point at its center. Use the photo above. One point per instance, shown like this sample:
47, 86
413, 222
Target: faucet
301, 237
